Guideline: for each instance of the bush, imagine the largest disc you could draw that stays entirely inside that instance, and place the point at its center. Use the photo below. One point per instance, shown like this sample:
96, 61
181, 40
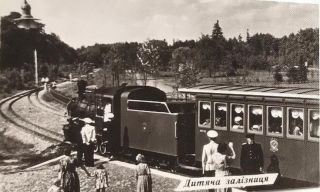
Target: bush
297, 74
14, 79
277, 76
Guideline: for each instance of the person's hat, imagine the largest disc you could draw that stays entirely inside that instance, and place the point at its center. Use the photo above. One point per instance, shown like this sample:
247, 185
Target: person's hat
212, 134
140, 158
67, 142
87, 120
255, 127
250, 135
75, 118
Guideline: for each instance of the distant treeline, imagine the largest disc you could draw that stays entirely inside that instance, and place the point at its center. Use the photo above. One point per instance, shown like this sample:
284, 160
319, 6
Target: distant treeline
211, 54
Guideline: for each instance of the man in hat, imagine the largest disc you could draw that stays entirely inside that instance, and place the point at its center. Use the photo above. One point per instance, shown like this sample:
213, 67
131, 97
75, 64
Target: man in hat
251, 160
207, 152
88, 135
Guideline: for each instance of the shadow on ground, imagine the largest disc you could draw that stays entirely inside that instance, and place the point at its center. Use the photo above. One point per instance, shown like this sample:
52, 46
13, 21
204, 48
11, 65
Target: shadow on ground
15, 155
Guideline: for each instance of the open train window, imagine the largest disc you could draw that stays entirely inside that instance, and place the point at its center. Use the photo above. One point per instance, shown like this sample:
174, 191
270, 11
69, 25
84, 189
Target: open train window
204, 111
237, 116
313, 124
295, 121
150, 106
255, 123
220, 116
275, 121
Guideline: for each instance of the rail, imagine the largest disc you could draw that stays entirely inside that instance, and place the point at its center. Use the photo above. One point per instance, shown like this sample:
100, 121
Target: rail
59, 97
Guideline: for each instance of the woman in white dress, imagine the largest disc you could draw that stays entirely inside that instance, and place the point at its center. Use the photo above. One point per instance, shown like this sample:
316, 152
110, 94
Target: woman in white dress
220, 161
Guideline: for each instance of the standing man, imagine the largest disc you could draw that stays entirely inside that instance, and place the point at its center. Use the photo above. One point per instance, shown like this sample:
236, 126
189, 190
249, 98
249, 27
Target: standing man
251, 160
208, 168
88, 135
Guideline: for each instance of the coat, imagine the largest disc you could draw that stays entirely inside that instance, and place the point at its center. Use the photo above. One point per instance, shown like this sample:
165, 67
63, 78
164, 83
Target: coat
251, 158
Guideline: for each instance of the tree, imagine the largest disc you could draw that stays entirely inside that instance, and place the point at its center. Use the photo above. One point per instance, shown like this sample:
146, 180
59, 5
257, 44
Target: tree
14, 79
277, 76
184, 67
17, 46
217, 31
297, 74
218, 42
149, 56
204, 54
115, 58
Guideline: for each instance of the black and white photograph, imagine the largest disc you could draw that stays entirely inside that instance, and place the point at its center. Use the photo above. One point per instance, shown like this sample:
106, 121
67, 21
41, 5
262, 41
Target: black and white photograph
159, 95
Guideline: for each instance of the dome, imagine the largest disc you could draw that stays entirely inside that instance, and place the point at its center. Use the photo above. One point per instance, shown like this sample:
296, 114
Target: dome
26, 8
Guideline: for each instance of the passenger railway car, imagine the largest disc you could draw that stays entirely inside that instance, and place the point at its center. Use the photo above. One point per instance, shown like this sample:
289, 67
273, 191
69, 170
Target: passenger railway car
285, 122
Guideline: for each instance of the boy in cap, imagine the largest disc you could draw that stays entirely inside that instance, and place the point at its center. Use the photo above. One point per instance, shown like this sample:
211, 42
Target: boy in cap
88, 134
207, 153
251, 159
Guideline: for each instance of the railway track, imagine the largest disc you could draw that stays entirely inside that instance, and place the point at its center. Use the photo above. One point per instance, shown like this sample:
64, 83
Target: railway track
35, 100
11, 116
58, 97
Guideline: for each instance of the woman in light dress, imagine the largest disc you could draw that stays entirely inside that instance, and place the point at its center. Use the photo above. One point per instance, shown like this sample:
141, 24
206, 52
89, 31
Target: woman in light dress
143, 175
220, 159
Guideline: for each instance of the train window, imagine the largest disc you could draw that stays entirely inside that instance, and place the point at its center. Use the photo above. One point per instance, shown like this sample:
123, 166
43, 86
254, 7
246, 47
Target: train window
204, 118
313, 124
147, 106
255, 119
274, 121
295, 118
237, 115
220, 116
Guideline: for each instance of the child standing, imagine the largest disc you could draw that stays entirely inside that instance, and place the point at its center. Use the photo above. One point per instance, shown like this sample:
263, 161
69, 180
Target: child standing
101, 176
56, 186
143, 175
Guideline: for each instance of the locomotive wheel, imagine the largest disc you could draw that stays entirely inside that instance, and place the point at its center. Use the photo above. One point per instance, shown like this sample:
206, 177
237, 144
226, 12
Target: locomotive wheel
104, 149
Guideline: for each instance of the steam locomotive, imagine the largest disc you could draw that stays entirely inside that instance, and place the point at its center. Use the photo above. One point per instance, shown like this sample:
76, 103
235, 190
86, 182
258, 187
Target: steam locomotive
136, 119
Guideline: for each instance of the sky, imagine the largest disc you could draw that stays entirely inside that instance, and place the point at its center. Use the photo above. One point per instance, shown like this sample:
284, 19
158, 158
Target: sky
86, 22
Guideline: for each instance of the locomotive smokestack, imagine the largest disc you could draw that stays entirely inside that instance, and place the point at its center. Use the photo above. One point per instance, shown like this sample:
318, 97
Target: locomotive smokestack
82, 84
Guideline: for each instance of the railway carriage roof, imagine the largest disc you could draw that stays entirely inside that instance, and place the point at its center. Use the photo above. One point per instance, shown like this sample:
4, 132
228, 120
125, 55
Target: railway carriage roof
246, 90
